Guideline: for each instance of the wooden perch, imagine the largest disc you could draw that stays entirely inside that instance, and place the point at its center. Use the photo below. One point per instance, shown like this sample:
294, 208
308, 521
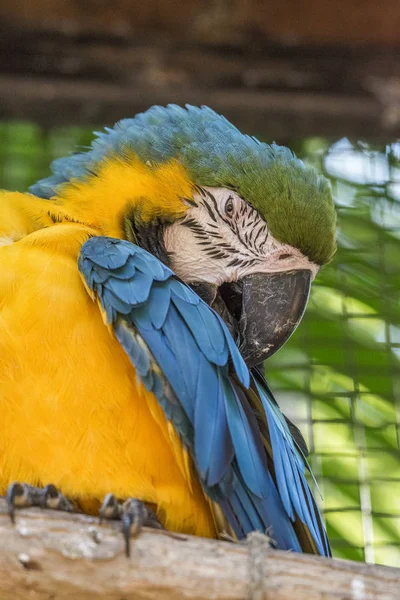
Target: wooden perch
53, 555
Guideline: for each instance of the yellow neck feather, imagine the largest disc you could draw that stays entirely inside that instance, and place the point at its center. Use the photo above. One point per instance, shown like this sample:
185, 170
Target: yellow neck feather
123, 185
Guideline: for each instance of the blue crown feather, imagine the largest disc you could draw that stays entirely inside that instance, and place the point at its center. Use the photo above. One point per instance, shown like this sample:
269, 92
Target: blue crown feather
294, 199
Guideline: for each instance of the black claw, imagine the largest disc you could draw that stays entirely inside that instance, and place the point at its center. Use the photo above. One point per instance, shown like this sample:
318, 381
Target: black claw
48, 495
14, 493
24, 495
132, 513
55, 499
126, 532
110, 509
133, 517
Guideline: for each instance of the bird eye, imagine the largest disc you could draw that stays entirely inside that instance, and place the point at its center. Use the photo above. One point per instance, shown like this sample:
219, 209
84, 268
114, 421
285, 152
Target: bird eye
229, 207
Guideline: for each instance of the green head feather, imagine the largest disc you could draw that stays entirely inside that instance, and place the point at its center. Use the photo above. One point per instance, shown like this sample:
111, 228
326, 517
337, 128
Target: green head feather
295, 201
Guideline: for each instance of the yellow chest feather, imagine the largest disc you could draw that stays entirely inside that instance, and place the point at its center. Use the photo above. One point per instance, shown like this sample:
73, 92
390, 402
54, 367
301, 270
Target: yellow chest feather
72, 412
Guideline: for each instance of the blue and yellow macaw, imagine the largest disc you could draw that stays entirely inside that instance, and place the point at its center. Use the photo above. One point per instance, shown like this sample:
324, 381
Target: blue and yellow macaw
141, 284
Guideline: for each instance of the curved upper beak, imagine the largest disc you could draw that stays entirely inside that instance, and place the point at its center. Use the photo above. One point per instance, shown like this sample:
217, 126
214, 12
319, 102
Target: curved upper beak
267, 307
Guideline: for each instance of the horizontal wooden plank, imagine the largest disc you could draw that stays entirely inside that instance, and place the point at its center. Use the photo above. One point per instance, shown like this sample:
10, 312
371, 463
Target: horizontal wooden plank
217, 21
62, 556
280, 92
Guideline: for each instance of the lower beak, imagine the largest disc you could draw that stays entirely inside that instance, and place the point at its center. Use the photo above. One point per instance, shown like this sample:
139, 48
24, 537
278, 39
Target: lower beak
268, 307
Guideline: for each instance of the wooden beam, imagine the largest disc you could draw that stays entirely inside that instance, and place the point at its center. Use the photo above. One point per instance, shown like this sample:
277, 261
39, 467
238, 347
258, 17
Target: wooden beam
280, 92
62, 556
276, 115
276, 91
350, 22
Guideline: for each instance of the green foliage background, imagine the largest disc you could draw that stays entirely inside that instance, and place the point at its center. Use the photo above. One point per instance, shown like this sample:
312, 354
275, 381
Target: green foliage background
338, 377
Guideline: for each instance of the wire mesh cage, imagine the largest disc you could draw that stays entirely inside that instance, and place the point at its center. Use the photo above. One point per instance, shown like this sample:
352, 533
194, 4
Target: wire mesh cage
338, 377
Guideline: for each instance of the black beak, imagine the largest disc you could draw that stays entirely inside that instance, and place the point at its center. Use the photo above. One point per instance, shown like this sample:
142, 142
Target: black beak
267, 309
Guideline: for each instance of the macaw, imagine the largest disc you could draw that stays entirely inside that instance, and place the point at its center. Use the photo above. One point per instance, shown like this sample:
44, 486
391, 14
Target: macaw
141, 286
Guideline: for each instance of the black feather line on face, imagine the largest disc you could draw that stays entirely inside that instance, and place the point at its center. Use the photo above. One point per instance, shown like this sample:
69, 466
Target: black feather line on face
206, 194
205, 243
208, 234
229, 248
235, 262
215, 254
188, 222
210, 212
190, 201
257, 236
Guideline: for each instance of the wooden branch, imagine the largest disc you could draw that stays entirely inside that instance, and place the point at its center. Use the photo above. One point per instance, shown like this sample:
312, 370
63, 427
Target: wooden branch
62, 556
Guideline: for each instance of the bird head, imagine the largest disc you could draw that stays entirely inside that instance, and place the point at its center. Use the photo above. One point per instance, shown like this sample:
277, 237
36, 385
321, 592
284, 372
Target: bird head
246, 224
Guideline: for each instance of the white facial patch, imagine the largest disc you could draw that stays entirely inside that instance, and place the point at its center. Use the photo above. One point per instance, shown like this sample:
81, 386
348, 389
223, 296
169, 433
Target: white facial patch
222, 239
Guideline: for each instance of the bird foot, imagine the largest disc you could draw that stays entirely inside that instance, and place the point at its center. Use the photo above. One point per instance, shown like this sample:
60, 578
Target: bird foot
20, 495
132, 513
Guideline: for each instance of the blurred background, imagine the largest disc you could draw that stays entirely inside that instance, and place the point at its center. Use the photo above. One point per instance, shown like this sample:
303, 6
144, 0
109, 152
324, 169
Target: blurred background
321, 77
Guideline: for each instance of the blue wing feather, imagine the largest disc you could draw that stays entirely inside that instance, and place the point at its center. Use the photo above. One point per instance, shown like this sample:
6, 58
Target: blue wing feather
213, 444
158, 305
184, 293
135, 290
168, 363
207, 332
249, 451
290, 472
184, 353
114, 302
247, 521
112, 258
134, 350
